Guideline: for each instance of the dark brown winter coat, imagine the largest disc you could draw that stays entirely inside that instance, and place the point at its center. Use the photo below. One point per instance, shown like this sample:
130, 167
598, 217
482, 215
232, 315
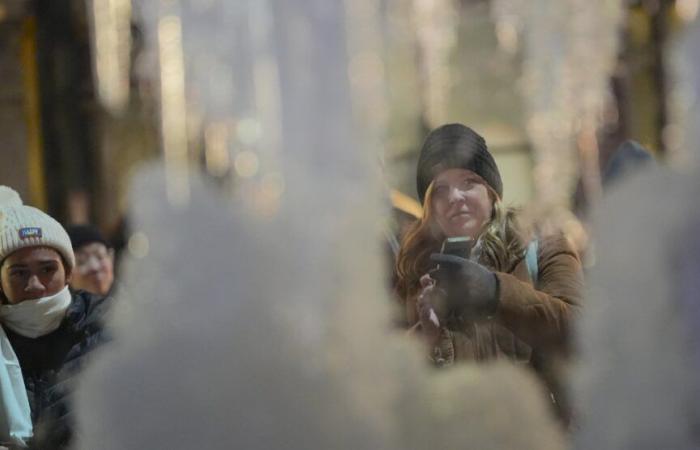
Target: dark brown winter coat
533, 320
532, 315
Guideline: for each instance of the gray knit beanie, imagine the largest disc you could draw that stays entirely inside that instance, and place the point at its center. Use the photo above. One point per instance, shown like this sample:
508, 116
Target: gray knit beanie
456, 146
24, 226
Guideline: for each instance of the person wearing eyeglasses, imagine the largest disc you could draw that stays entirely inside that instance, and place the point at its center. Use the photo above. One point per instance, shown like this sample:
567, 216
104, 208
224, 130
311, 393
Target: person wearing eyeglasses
94, 260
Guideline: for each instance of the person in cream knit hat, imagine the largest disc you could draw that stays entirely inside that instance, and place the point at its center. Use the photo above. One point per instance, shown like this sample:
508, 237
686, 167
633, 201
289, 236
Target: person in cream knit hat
45, 329
24, 226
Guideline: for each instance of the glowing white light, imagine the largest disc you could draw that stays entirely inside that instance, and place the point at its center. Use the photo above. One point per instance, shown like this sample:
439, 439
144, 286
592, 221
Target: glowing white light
687, 9
246, 164
138, 245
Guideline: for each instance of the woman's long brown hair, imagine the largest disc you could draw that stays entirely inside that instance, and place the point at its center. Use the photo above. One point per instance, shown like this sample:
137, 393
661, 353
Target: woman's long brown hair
501, 243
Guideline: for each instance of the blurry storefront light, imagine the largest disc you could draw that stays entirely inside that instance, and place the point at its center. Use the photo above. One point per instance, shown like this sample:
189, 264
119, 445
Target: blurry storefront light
673, 137
249, 131
267, 195
268, 102
138, 245
173, 108
111, 30
687, 9
436, 33
272, 185
367, 71
216, 154
507, 35
563, 104
246, 164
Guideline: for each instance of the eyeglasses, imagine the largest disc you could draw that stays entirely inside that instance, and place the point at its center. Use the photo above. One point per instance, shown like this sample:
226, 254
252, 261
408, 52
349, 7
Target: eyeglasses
84, 258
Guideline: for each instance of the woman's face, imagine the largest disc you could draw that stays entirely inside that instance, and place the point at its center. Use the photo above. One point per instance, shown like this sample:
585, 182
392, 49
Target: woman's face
32, 272
461, 203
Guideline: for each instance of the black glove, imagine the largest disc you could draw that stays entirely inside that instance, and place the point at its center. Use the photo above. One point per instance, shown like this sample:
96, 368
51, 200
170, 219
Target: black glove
472, 289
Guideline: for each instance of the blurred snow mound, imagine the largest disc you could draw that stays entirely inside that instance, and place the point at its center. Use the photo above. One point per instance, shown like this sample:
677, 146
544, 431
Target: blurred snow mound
637, 382
235, 332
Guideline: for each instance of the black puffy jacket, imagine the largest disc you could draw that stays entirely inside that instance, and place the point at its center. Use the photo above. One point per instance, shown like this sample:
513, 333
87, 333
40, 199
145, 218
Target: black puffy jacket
50, 365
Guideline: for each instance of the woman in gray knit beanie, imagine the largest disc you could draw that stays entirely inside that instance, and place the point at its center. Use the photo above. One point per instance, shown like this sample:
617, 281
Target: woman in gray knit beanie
473, 285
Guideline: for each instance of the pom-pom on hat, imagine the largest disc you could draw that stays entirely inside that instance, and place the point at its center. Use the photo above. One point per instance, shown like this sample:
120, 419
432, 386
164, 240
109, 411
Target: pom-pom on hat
456, 146
24, 226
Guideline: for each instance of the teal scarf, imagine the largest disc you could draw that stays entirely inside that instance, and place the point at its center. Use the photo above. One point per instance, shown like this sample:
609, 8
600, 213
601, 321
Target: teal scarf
15, 417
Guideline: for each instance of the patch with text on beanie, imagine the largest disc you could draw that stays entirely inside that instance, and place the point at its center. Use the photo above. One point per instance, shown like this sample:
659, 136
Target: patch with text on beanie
23, 226
30, 232
455, 146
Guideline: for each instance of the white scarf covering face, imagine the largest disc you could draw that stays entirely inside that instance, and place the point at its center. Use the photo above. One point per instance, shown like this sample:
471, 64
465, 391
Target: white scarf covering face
30, 318
38, 317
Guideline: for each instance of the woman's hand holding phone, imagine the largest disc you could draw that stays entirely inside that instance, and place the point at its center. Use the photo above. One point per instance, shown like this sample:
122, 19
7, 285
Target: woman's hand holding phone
429, 310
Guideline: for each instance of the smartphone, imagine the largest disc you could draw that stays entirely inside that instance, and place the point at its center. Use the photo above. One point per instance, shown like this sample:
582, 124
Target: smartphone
458, 246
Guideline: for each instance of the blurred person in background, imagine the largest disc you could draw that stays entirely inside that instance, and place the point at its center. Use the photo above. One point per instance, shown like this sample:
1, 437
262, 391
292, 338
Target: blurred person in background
627, 160
511, 295
94, 260
47, 331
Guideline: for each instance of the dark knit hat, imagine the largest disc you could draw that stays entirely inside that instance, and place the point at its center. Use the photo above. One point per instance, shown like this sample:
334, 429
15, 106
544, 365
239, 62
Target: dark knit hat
84, 234
455, 146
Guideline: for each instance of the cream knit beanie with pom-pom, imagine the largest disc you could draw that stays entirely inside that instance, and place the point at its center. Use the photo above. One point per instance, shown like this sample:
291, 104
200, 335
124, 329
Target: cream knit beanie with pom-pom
24, 226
